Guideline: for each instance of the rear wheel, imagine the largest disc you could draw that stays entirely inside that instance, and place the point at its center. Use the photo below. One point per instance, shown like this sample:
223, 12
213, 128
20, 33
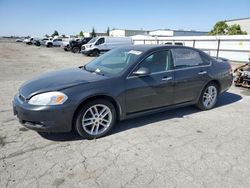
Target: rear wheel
95, 119
208, 97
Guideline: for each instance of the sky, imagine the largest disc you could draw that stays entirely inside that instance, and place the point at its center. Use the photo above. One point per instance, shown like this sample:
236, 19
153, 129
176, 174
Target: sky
40, 17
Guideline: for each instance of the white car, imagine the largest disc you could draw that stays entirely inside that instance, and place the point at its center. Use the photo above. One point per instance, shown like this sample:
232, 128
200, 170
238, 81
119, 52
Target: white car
28, 40
54, 42
19, 40
101, 44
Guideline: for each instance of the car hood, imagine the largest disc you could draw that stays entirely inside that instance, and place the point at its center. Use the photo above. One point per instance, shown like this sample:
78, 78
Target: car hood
57, 80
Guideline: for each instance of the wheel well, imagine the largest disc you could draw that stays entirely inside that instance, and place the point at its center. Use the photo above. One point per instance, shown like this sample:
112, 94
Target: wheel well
217, 83
96, 49
105, 97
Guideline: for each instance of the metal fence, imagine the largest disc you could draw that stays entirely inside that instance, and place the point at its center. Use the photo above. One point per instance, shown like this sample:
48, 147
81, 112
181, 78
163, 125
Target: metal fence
232, 49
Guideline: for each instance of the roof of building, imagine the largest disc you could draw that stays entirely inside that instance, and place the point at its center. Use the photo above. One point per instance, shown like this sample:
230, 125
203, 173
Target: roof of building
237, 19
178, 30
130, 29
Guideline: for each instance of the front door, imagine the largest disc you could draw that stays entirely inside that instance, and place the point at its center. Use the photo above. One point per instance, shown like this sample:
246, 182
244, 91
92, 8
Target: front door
153, 90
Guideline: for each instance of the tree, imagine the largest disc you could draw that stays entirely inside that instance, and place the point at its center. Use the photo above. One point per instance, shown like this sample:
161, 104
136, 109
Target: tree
93, 34
47, 36
220, 28
81, 34
55, 33
108, 31
236, 30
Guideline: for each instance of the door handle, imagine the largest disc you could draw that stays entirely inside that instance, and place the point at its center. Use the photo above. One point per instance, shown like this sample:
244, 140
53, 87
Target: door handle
202, 72
167, 78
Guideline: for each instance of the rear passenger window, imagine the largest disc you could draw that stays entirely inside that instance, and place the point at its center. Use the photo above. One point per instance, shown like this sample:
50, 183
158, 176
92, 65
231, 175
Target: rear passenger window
186, 58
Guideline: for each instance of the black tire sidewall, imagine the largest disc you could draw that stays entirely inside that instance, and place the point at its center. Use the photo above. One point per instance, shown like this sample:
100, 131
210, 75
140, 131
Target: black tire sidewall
75, 50
95, 53
78, 120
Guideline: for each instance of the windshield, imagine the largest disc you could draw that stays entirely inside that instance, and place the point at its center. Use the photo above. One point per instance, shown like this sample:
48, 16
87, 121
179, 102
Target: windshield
93, 40
113, 62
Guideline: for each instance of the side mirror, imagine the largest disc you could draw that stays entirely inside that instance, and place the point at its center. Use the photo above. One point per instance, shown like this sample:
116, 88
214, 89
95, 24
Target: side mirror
142, 71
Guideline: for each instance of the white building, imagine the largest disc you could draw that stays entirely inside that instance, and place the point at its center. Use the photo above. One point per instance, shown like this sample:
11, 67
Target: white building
172, 33
243, 22
155, 33
126, 32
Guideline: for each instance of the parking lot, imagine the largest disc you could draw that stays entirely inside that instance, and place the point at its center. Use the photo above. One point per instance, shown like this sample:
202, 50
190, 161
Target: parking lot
178, 148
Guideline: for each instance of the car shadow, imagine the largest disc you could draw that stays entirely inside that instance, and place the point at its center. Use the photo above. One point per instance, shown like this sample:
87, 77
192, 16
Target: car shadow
223, 100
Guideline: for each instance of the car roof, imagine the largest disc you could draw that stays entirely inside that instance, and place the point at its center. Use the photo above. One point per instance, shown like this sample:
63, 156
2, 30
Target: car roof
149, 47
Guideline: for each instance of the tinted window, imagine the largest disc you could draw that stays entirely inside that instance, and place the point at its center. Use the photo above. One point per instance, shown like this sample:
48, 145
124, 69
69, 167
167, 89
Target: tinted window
186, 58
206, 59
178, 43
157, 62
100, 41
113, 62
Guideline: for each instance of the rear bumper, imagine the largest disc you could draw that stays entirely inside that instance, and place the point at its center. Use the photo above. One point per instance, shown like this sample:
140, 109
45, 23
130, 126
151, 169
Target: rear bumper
226, 83
44, 118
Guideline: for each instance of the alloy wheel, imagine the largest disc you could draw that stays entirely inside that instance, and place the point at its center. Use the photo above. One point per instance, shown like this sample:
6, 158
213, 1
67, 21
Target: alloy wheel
209, 96
97, 119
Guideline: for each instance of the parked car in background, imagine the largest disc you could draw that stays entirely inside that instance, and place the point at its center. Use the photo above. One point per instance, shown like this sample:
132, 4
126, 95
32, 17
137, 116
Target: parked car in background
75, 45
54, 42
123, 83
28, 40
175, 43
102, 44
41, 41
65, 44
19, 40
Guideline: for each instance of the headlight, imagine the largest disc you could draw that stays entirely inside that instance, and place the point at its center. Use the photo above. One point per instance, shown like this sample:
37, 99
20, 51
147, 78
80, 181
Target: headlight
49, 98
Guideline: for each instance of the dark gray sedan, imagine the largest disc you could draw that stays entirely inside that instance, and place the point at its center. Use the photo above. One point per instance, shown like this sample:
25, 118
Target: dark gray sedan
123, 83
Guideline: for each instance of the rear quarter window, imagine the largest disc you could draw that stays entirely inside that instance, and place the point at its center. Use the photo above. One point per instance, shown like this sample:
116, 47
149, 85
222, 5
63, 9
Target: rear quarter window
206, 59
186, 58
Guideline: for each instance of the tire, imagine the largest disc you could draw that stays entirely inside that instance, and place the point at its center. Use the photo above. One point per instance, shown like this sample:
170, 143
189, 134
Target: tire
76, 49
38, 44
95, 53
208, 96
49, 45
93, 121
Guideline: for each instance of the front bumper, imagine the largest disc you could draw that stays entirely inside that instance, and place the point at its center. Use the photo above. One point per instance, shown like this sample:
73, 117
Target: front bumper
86, 52
43, 118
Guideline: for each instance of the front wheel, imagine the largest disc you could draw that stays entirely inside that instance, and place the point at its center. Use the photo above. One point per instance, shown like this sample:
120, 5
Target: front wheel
49, 45
95, 53
95, 119
208, 97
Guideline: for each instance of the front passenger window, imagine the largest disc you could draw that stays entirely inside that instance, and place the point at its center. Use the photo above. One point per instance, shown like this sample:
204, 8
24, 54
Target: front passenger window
100, 41
158, 61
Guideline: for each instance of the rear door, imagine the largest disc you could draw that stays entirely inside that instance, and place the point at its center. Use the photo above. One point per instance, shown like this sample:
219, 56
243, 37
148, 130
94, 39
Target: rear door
154, 90
190, 74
